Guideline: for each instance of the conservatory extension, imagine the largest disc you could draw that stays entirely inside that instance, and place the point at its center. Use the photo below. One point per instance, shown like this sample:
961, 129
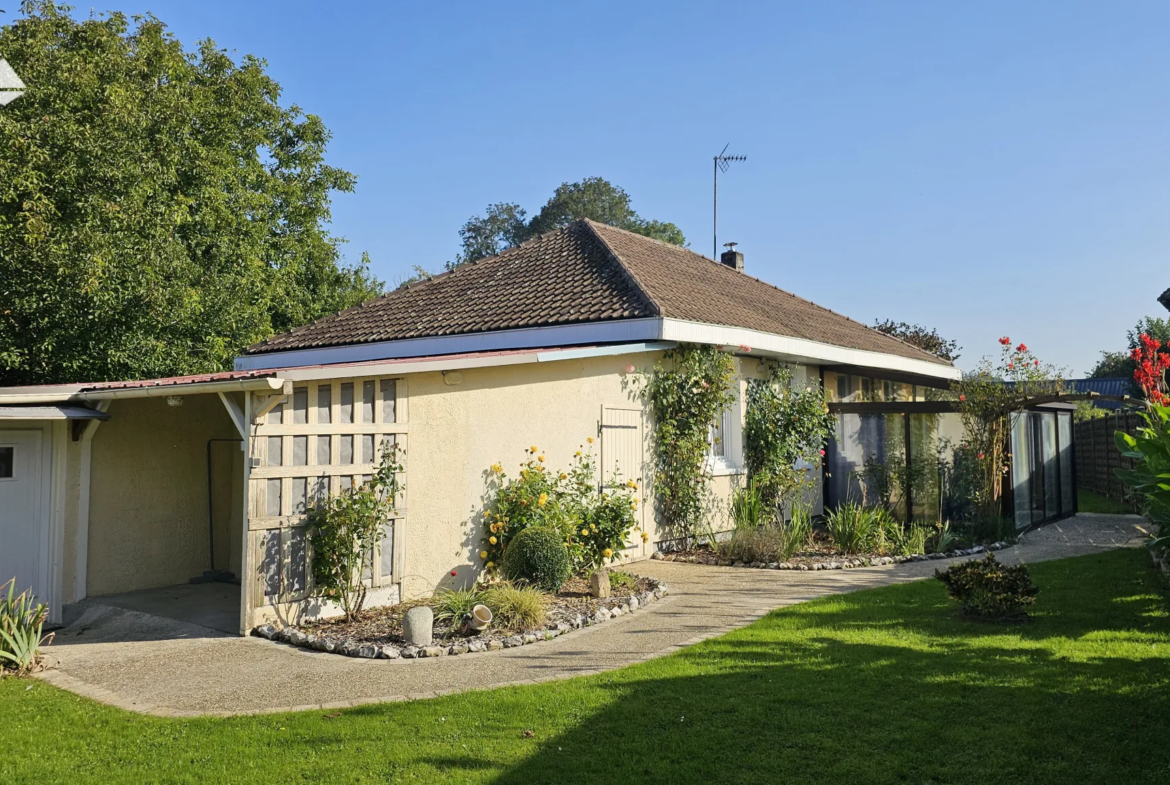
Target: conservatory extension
900, 444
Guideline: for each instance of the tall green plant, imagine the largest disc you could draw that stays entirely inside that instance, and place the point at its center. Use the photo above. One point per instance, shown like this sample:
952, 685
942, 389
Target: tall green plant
687, 394
22, 624
1149, 480
784, 426
345, 529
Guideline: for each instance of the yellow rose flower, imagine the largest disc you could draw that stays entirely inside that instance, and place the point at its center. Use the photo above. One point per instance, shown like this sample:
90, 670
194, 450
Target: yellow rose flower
490, 564
497, 469
634, 504
577, 454
543, 500
564, 476
483, 554
645, 537
540, 458
492, 540
607, 553
532, 448
589, 439
584, 532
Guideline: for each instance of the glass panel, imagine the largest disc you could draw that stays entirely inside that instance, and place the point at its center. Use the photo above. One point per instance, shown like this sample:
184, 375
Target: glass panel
867, 461
1067, 480
389, 400
272, 497
1047, 422
368, 401
324, 403
300, 494
386, 558
926, 466
300, 455
301, 405
1022, 468
321, 489
368, 448
270, 562
276, 415
345, 483
347, 449
298, 553
274, 451
347, 402
7, 462
324, 450
958, 470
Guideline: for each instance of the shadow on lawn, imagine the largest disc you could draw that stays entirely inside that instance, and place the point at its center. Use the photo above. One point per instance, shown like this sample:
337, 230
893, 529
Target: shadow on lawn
890, 692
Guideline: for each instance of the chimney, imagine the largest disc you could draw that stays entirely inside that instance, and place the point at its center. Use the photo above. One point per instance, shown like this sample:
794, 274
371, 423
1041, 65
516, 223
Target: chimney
731, 257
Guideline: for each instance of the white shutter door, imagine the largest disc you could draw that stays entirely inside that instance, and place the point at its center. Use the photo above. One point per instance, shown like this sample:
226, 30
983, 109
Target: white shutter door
622, 450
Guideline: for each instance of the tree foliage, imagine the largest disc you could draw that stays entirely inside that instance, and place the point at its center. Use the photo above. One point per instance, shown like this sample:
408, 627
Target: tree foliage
504, 224
917, 335
159, 209
1120, 363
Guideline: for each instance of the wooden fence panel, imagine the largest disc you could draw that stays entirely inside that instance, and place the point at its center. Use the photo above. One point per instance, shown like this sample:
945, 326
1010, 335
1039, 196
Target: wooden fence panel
1097, 456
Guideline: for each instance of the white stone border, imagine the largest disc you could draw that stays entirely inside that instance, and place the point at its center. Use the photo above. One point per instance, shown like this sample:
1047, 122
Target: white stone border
842, 564
295, 637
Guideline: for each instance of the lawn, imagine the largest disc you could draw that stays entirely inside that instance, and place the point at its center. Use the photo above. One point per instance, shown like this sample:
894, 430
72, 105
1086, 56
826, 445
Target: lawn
881, 686
1091, 501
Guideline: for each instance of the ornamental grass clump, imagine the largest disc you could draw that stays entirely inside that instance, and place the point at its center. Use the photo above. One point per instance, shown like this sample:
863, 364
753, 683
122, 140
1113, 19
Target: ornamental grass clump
852, 527
515, 607
455, 606
538, 557
987, 589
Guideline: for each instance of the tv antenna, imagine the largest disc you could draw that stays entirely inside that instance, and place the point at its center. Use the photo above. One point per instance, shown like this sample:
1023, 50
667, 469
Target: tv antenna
722, 162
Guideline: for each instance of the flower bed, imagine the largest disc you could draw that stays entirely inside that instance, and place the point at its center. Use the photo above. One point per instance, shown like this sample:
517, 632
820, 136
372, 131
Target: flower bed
820, 560
377, 632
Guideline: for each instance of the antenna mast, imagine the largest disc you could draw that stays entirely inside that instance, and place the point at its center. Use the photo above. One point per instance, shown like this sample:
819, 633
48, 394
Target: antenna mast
722, 161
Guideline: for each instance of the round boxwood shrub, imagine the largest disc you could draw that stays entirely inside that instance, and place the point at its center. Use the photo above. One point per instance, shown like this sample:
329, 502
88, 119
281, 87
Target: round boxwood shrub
538, 557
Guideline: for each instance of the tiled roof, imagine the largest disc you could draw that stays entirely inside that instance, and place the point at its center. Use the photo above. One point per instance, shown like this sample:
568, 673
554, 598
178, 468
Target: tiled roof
178, 381
586, 272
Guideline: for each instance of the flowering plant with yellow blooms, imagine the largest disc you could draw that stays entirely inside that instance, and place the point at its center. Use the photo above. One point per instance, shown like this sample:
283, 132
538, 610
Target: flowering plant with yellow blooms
594, 523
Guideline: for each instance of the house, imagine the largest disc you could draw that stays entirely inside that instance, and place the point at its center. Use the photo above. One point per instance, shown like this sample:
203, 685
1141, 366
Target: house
112, 489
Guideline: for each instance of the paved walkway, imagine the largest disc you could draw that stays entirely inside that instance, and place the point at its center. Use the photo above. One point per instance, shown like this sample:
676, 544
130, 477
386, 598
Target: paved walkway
147, 664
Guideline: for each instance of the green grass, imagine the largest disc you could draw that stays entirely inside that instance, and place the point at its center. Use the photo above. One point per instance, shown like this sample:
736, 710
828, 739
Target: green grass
881, 686
1091, 501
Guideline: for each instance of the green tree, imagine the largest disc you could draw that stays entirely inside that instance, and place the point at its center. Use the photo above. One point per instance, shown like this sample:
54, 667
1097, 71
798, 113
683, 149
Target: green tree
159, 209
503, 224
917, 335
1113, 364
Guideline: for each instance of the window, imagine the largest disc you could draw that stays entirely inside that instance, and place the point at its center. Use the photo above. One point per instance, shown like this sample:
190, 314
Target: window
726, 437
7, 463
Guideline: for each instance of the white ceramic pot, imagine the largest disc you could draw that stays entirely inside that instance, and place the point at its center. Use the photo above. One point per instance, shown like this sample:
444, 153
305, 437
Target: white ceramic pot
481, 617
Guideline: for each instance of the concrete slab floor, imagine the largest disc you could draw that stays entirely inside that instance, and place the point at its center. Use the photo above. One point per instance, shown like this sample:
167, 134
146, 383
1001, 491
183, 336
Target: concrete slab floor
214, 605
147, 664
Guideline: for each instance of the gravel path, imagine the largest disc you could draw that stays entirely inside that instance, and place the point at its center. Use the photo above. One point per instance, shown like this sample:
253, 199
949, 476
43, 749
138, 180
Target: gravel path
152, 665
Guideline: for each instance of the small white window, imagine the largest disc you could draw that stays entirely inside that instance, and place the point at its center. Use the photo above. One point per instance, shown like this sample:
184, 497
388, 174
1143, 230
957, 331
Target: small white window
726, 437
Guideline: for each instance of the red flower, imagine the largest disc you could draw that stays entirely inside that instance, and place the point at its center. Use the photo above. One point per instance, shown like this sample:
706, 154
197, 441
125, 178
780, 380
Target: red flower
744, 348
454, 573
1021, 348
962, 397
1036, 362
822, 452
1005, 340
980, 456
1011, 365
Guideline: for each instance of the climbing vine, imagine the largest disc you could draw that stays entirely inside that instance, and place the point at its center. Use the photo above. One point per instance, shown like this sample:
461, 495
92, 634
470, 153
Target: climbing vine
784, 426
687, 394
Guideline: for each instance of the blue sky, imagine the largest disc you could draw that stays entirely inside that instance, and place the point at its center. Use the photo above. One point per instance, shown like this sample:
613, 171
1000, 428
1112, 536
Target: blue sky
984, 168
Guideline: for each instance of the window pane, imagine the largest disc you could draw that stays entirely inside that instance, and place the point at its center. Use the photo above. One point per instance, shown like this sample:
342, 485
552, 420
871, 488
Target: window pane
1022, 468
347, 449
274, 451
924, 467
1064, 426
368, 448
321, 489
386, 558
301, 405
324, 450
272, 497
300, 495
368, 401
276, 416
300, 451
7, 463
389, 395
1048, 457
324, 402
345, 483
347, 402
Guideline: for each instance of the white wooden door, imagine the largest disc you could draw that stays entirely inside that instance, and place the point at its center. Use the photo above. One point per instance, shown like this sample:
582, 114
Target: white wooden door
622, 452
24, 535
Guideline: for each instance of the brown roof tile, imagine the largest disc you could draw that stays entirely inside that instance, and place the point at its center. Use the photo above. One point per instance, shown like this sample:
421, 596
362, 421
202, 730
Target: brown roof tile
586, 272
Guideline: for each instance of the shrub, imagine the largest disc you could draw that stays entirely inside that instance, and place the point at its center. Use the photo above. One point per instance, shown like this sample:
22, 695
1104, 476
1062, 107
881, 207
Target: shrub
622, 581
515, 607
594, 526
21, 630
538, 557
764, 544
345, 529
852, 528
989, 590
455, 605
